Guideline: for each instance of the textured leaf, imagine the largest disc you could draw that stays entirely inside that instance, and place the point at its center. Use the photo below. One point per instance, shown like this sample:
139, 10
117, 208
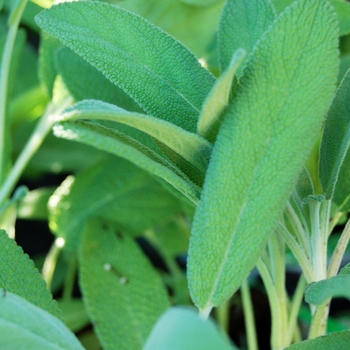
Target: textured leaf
218, 99
27, 327
261, 147
170, 83
123, 294
191, 147
336, 140
115, 190
338, 286
18, 275
241, 26
182, 328
334, 341
121, 145
86, 82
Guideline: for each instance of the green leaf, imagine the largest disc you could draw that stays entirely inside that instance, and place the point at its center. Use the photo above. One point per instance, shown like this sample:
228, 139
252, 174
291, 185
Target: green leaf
263, 142
335, 140
191, 147
27, 327
338, 286
123, 293
127, 195
182, 328
74, 314
199, 2
135, 55
121, 145
86, 82
241, 26
18, 275
334, 341
218, 99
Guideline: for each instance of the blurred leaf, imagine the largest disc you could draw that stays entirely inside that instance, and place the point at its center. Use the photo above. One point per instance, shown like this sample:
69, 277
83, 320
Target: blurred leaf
123, 294
25, 326
74, 314
18, 275
182, 328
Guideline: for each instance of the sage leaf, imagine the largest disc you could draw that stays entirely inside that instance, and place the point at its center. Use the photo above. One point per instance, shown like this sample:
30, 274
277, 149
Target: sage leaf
182, 328
241, 26
263, 142
128, 196
335, 140
124, 295
26, 326
218, 99
191, 147
158, 72
18, 275
334, 340
119, 144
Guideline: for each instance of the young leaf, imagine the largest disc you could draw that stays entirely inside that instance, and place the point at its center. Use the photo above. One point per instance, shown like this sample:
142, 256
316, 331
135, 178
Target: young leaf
338, 286
241, 26
182, 328
218, 99
121, 145
25, 326
127, 196
335, 140
191, 147
262, 144
158, 72
18, 275
335, 340
123, 294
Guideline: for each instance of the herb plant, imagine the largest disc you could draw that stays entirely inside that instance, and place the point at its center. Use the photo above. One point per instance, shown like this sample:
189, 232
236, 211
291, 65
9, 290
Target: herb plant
215, 128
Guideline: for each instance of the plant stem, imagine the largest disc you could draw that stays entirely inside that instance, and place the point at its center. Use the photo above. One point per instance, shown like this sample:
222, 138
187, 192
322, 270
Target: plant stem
70, 279
319, 320
249, 319
339, 251
222, 313
4, 77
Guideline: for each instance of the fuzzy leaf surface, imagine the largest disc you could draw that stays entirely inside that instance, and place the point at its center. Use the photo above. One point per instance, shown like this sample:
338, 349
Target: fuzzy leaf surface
262, 144
115, 190
335, 141
125, 301
158, 72
182, 328
119, 144
25, 326
18, 275
241, 26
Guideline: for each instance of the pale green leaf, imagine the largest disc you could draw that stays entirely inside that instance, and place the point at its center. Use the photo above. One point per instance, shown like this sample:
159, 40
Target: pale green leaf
334, 341
24, 326
18, 275
218, 99
158, 72
335, 140
123, 293
182, 328
241, 26
191, 147
115, 190
121, 145
263, 142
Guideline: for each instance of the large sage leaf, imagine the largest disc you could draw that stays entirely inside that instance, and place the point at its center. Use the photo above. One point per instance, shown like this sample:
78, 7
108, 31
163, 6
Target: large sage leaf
24, 326
335, 142
152, 67
123, 293
241, 26
191, 147
182, 328
263, 142
19, 275
119, 144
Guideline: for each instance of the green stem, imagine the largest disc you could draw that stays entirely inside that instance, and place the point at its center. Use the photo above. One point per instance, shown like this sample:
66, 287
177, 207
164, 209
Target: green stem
70, 279
319, 320
249, 320
4, 77
222, 313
